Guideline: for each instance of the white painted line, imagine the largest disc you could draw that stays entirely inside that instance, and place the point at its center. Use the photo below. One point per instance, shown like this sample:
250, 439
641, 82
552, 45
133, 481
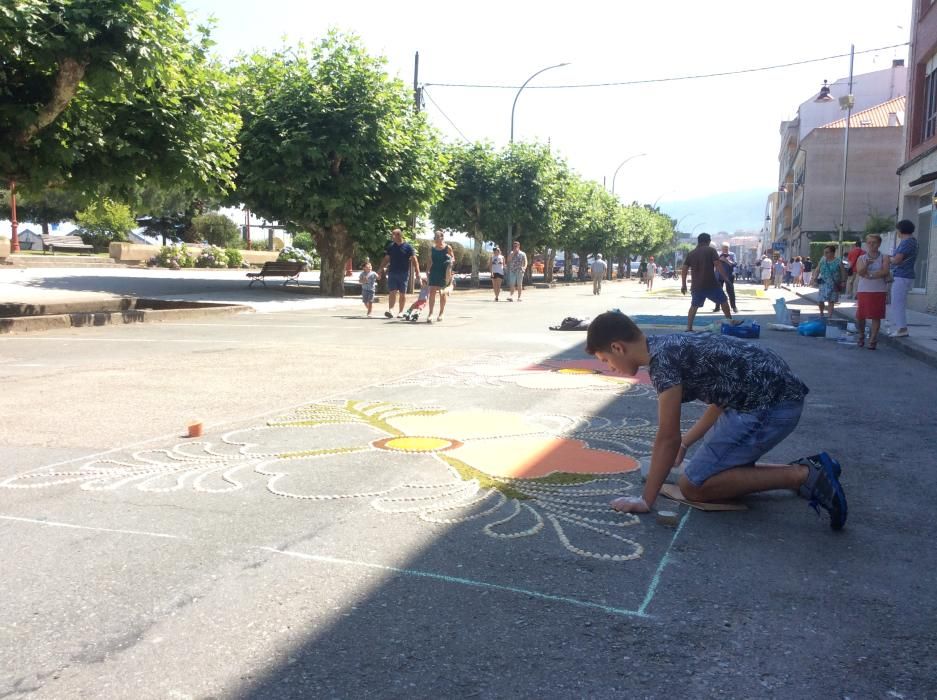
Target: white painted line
53, 523
445, 578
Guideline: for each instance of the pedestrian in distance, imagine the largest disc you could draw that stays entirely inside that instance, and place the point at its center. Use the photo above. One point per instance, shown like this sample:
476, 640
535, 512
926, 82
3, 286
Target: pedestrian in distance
808, 271
766, 270
703, 261
902, 267
440, 267
368, 280
871, 271
754, 401
401, 258
727, 281
642, 271
779, 268
598, 270
497, 271
651, 273
830, 279
797, 272
852, 258
517, 267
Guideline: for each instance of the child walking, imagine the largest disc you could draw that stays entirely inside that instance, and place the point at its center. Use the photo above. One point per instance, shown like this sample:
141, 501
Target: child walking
413, 313
368, 279
754, 402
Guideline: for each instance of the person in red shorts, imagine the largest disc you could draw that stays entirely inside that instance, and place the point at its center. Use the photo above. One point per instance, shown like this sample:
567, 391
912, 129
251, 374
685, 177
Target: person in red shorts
872, 273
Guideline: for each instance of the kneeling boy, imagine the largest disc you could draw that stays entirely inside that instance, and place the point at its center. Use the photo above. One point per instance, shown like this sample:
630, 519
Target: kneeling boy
755, 401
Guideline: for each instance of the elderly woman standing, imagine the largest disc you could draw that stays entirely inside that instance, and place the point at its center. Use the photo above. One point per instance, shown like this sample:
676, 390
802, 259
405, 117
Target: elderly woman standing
829, 278
872, 270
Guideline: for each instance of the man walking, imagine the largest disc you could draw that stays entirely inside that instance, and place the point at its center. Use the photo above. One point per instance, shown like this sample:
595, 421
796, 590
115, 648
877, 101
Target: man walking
517, 265
401, 257
703, 261
599, 267
902, 267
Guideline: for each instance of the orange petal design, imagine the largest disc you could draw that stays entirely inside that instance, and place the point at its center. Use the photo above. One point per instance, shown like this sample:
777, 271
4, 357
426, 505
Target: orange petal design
529, 457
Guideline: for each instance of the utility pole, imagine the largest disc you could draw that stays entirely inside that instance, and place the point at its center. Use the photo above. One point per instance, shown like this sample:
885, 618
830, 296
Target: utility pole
417, 106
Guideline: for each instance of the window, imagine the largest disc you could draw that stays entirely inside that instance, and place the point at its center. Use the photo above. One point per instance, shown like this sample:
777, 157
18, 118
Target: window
930, 99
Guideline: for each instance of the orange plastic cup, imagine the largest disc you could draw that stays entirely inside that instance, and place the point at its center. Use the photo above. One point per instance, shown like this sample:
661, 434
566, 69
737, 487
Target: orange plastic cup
195, 429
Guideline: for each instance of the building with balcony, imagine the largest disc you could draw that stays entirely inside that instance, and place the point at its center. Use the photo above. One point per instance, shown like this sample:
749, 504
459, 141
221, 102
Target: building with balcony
917, 175
810, 172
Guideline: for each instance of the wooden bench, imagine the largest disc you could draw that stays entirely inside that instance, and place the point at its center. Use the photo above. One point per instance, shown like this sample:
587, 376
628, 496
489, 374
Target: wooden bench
65, 243
280, 268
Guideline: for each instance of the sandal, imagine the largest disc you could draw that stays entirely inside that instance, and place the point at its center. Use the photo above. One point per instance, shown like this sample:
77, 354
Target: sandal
873, 344
861, 341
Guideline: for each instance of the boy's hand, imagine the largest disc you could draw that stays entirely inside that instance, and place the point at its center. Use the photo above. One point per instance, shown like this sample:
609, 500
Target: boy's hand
630, 504
683, 289
681, 453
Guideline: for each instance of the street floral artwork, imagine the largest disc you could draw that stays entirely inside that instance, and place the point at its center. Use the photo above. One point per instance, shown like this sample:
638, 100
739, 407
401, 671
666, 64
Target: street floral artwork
515, 475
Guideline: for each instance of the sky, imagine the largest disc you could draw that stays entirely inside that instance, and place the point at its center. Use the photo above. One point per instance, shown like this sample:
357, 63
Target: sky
704, 142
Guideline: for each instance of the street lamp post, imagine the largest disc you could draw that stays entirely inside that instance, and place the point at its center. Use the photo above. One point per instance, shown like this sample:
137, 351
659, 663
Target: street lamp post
615, 174
507, 247
846, 102
14, 236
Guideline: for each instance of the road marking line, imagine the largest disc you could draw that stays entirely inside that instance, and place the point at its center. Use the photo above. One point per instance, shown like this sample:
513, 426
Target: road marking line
53, 523
458, 580
655, 579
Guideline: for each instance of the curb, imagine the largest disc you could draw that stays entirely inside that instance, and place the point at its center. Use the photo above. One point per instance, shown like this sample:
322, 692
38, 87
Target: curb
78, 319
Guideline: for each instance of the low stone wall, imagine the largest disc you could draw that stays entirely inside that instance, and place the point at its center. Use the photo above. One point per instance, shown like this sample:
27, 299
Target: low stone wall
130, 253
4, 248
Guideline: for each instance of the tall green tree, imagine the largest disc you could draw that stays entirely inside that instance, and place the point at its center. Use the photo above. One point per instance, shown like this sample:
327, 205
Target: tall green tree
467, 203
331, 145
101, 95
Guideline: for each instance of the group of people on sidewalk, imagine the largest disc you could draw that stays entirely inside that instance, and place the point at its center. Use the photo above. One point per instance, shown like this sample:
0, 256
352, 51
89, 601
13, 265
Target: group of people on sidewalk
866, 275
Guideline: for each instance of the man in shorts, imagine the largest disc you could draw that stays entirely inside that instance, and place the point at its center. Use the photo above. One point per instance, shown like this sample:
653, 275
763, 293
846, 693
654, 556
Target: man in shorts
703, 260
401, 257
754, 401
517, 265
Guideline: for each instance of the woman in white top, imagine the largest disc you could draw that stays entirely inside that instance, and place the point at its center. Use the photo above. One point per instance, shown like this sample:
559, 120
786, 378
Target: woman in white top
797, 271
497, 271
872, 269
766, 270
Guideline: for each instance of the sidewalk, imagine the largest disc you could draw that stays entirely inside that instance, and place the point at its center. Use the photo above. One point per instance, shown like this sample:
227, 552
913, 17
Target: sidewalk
921, 344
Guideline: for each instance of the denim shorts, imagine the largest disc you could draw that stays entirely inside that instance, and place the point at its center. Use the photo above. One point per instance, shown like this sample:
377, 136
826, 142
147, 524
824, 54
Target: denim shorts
397, 281
740, 439
714, 294
367, 295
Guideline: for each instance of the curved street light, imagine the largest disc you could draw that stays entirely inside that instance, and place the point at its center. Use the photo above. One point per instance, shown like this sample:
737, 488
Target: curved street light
636, 155
507, 246
521, 89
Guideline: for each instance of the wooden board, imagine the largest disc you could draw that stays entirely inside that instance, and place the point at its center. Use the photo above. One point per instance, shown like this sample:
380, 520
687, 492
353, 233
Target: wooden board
673, 492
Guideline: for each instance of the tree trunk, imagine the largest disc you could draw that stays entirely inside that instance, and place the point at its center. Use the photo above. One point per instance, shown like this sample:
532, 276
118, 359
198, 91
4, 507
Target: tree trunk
476, 254
583, 265
334, 247
45, 228
627, 264
567, 265
548, 265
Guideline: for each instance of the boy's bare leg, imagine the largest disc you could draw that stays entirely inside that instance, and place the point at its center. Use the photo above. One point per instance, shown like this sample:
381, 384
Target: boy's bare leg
741, 481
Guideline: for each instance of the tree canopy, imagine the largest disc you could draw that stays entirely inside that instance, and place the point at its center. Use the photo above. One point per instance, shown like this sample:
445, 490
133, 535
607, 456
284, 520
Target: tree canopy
331, 145
103, 95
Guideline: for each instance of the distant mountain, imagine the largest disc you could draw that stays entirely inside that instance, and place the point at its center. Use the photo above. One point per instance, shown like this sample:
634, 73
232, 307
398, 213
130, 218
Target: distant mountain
726, 211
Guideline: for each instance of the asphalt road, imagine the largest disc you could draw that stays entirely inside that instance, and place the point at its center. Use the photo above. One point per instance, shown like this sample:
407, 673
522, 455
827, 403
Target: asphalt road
322, 539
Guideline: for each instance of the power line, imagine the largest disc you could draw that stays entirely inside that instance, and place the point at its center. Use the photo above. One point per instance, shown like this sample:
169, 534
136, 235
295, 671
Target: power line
669, 79
430, 97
